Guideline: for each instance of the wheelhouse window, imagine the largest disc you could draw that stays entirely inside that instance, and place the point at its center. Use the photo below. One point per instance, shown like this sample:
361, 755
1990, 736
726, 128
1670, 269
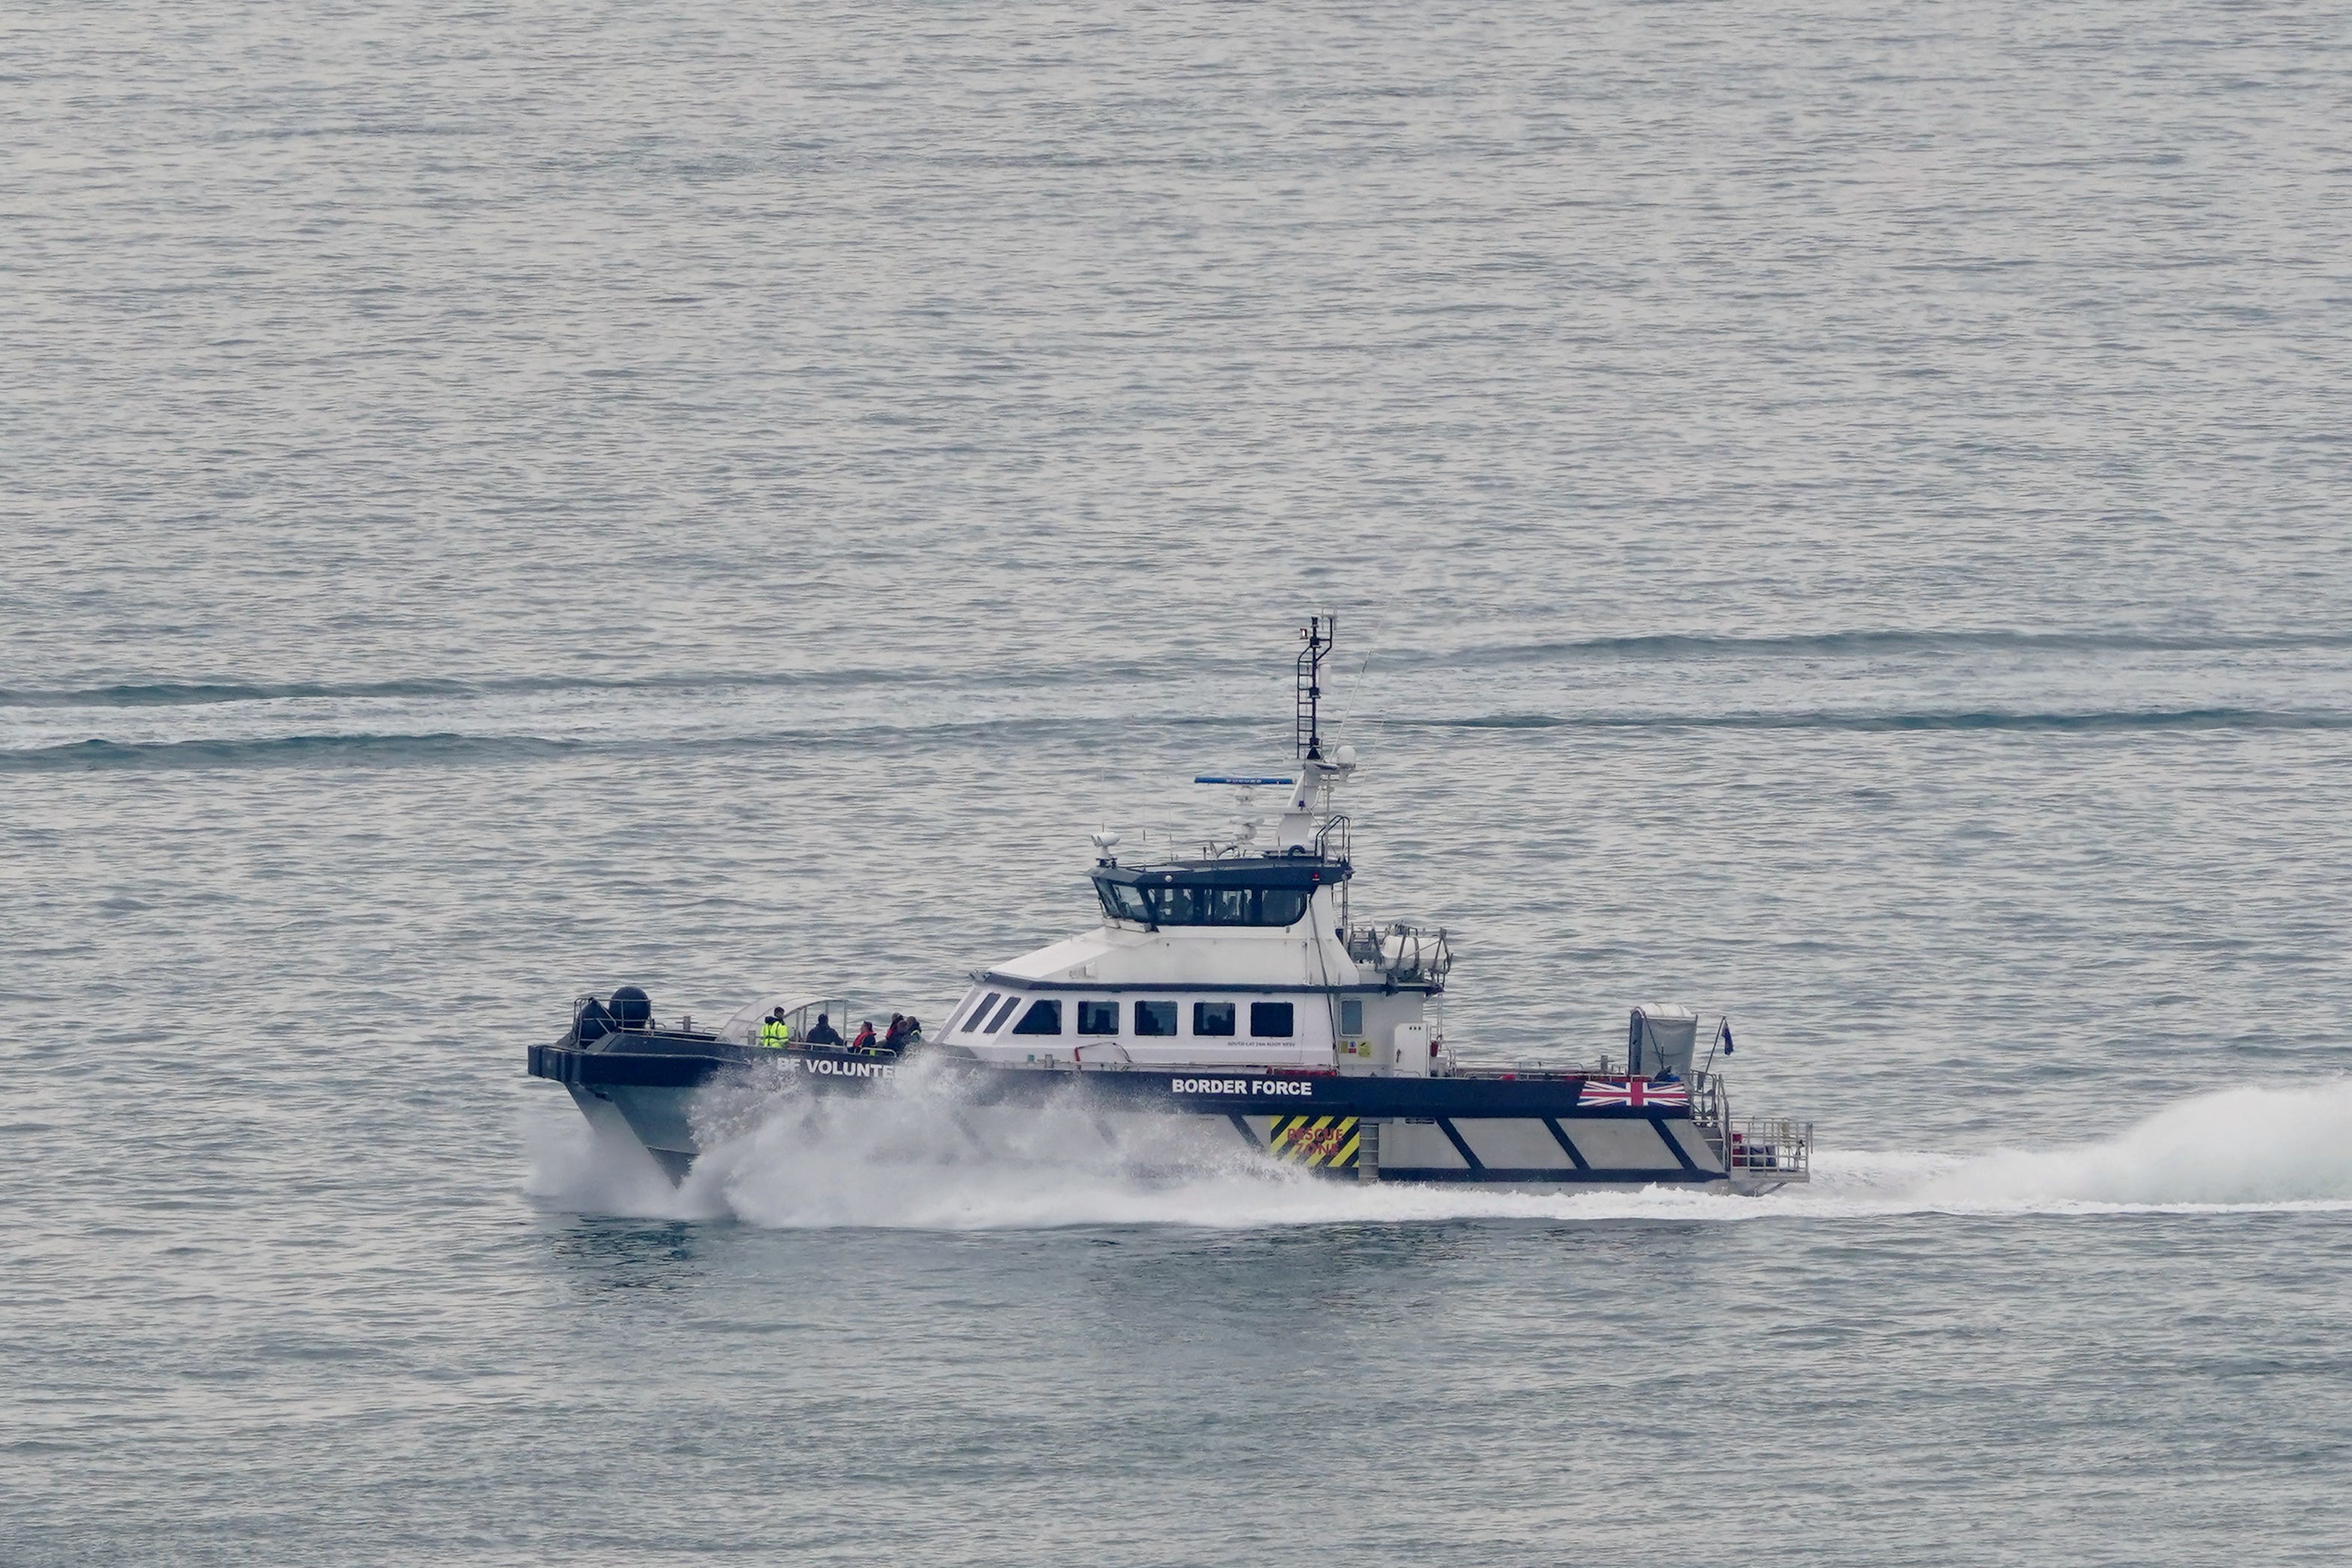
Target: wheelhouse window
1043, 1017
1270, 1021
1002, 1013
1351, 1015
1121, 901
1172, 904
979, 1015
1280, 907
1098, 1018
1212, 1018
1155, 1017
1178, 905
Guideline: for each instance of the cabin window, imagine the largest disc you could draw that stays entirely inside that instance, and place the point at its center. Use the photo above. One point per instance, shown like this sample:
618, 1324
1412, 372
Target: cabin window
1212, 1018
1002, 1013
1043, 1017
1281, 906
1155, 1017
1123, 901
1098, 1018
1177, 903
1270, 1021
1351, 1017
979, 1015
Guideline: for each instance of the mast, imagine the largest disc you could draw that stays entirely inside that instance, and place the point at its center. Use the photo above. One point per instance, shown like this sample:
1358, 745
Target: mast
1309, 806
1316, 634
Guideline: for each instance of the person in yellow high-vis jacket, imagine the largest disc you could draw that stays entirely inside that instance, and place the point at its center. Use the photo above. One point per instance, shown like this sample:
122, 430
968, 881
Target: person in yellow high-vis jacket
775, 1033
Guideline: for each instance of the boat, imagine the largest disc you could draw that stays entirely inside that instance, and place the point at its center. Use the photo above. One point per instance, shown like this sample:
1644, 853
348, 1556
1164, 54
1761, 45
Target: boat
1233, 990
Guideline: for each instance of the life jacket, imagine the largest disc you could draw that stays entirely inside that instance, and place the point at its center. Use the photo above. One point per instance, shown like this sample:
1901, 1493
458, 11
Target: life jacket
775, 1033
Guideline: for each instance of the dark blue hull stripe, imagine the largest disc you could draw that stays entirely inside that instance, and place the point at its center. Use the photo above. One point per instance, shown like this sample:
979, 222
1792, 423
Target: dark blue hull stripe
1550, 1175
1673, 1142
658, 1062
1241, 1125
1566, 1147
1460, 1147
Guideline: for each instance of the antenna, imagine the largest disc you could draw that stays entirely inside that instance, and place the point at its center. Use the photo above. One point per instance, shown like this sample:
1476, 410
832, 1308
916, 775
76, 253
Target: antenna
1316, 634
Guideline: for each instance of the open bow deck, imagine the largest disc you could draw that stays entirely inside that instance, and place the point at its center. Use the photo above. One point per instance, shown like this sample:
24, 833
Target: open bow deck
1231, 987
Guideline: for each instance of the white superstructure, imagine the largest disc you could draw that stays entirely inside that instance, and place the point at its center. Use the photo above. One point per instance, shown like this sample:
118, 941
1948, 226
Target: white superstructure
1242, 957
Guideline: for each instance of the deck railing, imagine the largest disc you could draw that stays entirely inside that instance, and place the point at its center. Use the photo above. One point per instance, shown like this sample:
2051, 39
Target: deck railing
1406, 954
1771, 1146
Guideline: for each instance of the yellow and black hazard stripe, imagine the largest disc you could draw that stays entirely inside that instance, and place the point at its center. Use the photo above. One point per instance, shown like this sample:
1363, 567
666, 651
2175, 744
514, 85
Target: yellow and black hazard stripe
1325, 1142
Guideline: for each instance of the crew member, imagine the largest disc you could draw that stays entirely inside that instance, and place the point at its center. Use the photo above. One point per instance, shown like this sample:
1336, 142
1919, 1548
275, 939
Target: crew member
824, 1033
865, 1040
893, 1039
775, 1033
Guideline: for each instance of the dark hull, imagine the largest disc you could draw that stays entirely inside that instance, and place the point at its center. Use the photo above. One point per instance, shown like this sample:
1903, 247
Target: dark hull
1494, 1129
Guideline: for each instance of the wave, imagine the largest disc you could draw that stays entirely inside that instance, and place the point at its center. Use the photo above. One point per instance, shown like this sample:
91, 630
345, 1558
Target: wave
911, 1161
285, 750
1865, 720
449, 746
1865, 643
2230, 1149
192, 694
201, 693
1661, 646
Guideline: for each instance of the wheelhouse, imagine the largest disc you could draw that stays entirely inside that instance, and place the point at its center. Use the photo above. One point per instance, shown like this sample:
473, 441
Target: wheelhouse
1268, 891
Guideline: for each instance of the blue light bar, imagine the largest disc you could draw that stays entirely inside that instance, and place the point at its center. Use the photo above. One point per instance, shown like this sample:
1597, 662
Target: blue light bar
1238, 779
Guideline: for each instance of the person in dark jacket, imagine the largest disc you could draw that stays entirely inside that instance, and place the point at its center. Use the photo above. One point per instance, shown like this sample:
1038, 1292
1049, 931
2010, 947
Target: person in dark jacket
865, 1040
894, 1040
823, 1033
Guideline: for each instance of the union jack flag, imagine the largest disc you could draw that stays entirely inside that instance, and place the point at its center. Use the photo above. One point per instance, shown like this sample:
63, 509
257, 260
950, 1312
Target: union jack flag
1633, 1094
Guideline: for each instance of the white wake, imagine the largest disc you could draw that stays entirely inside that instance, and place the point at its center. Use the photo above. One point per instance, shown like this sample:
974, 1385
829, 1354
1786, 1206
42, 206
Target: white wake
921, 1159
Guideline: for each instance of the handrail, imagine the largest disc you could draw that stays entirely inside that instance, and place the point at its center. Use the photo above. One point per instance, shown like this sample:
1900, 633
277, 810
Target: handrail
1771, 1146
1421, 954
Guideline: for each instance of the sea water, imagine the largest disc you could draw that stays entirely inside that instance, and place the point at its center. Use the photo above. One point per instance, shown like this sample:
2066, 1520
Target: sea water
1836, 515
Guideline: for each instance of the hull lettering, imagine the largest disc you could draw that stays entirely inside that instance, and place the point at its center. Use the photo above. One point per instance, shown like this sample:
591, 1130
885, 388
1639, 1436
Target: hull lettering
1261, 1086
